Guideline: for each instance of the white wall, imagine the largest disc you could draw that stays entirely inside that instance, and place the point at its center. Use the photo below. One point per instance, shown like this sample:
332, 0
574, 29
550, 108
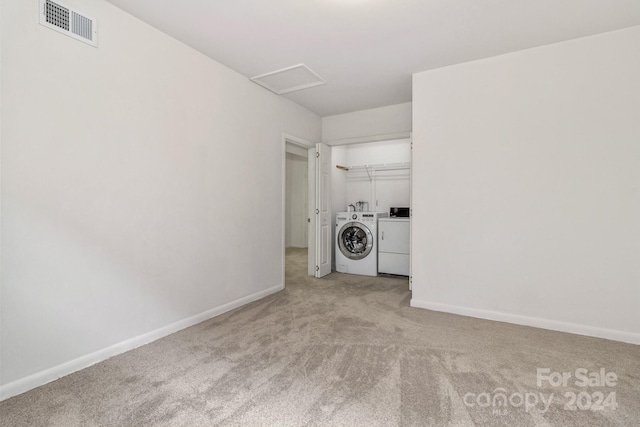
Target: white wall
339, 200
1, 136
133, 177
526, 189
373, 153
338, 191
384, 123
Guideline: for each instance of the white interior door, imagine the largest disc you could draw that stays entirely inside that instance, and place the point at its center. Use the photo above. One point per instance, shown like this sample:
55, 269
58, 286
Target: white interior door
311, 222
323, 241
410, 211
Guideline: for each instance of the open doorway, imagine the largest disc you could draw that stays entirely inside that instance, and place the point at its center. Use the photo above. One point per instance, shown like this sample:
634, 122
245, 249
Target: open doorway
296, 197
296, 209
318, 203
298, 183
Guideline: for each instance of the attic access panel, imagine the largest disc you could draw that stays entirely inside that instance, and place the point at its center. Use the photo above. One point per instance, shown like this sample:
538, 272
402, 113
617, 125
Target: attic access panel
289, 79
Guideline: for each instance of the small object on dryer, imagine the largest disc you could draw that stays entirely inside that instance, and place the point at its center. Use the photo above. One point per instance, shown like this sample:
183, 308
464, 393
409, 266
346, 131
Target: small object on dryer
362, 206
399, 212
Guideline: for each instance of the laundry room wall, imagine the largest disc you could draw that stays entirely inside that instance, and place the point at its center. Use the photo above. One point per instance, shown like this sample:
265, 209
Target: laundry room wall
385, 188
339, 179
375, 124
141, 190
380, 188
338, 190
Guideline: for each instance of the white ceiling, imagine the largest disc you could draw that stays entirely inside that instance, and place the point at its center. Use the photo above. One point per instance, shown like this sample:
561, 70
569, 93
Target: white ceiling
367, 50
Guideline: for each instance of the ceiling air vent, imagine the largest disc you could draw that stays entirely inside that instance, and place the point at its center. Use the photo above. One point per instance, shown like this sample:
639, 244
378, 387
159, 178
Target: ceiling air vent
71, 22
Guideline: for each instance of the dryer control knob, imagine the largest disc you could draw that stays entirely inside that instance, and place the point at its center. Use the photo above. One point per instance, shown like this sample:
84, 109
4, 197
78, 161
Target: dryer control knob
354, 216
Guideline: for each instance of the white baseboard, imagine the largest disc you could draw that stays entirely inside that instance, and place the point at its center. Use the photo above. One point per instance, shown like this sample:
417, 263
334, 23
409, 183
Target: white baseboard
43, 377
536, 322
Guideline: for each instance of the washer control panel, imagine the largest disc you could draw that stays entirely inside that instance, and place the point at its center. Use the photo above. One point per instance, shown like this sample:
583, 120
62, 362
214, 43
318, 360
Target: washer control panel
359, 216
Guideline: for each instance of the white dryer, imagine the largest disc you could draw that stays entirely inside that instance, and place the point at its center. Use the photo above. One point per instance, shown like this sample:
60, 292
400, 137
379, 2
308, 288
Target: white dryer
356, 242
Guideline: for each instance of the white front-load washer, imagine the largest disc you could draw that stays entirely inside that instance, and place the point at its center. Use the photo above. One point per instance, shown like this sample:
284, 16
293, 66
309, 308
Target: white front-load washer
356, 242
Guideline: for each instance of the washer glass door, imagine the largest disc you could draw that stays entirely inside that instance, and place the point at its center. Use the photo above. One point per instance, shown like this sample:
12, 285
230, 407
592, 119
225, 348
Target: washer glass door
355, 240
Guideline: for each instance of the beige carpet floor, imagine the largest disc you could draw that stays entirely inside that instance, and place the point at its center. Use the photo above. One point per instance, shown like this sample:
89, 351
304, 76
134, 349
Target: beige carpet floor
343, 351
